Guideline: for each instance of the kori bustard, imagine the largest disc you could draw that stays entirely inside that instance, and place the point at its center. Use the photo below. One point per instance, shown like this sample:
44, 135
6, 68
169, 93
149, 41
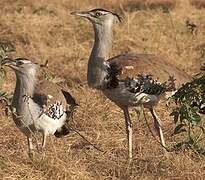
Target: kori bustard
38, 106
114, 76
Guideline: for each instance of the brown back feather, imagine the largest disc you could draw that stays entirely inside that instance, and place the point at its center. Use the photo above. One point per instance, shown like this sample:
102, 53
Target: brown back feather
133, 64
48, 93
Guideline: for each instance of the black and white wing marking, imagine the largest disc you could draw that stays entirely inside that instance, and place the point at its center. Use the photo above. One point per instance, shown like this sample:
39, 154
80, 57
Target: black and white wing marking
52, 99
53, 109
145, 84
113, 70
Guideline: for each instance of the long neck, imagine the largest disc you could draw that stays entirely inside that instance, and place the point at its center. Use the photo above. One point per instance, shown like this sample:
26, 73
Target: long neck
103, 42
25, 85
100, 53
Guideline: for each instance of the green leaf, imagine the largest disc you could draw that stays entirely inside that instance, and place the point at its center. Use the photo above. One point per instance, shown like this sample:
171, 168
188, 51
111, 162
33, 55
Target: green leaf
194, 118
190, 140
178, 129
175, 114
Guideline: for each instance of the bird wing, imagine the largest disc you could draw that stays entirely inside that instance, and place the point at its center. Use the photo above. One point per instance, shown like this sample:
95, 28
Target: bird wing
130, 65
52, 98
47, 93
145, 84
69, 98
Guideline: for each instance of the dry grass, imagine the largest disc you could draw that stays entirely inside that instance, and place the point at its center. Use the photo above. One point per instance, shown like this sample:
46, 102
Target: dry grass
131, 5
198, 3
45, 30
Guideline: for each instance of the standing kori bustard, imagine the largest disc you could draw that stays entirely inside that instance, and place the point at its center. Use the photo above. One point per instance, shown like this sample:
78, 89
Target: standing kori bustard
110, 75
38, 106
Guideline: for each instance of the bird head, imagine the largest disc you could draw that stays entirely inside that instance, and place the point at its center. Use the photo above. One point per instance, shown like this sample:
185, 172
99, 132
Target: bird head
99, 16
20, 65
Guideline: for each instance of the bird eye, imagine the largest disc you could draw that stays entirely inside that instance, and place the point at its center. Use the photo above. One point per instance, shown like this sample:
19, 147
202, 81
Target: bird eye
19, 63
97, 14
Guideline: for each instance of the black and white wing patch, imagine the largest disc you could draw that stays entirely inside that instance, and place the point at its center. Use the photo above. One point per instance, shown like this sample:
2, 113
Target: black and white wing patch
113, 71
145, 84
54, 111
51, 108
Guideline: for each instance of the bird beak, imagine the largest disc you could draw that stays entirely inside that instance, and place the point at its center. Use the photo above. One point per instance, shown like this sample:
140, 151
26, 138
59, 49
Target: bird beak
84, 14
7, 62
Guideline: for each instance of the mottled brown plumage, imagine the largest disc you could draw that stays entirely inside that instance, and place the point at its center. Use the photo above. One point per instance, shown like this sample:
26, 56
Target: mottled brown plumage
47, 93
132, 64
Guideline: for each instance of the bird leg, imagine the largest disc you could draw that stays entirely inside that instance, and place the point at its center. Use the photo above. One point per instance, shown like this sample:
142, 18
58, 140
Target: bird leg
128, 124
158, 128
43, 145
30, 147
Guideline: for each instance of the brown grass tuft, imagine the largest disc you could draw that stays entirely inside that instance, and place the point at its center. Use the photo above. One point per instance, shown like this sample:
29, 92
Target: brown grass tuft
198, 3
133, 5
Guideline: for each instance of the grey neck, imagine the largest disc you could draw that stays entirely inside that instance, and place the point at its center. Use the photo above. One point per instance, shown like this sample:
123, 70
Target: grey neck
25, 86
100, 53
103, 41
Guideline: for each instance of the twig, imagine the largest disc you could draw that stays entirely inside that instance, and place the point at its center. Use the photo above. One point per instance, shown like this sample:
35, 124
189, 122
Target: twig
87, 140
